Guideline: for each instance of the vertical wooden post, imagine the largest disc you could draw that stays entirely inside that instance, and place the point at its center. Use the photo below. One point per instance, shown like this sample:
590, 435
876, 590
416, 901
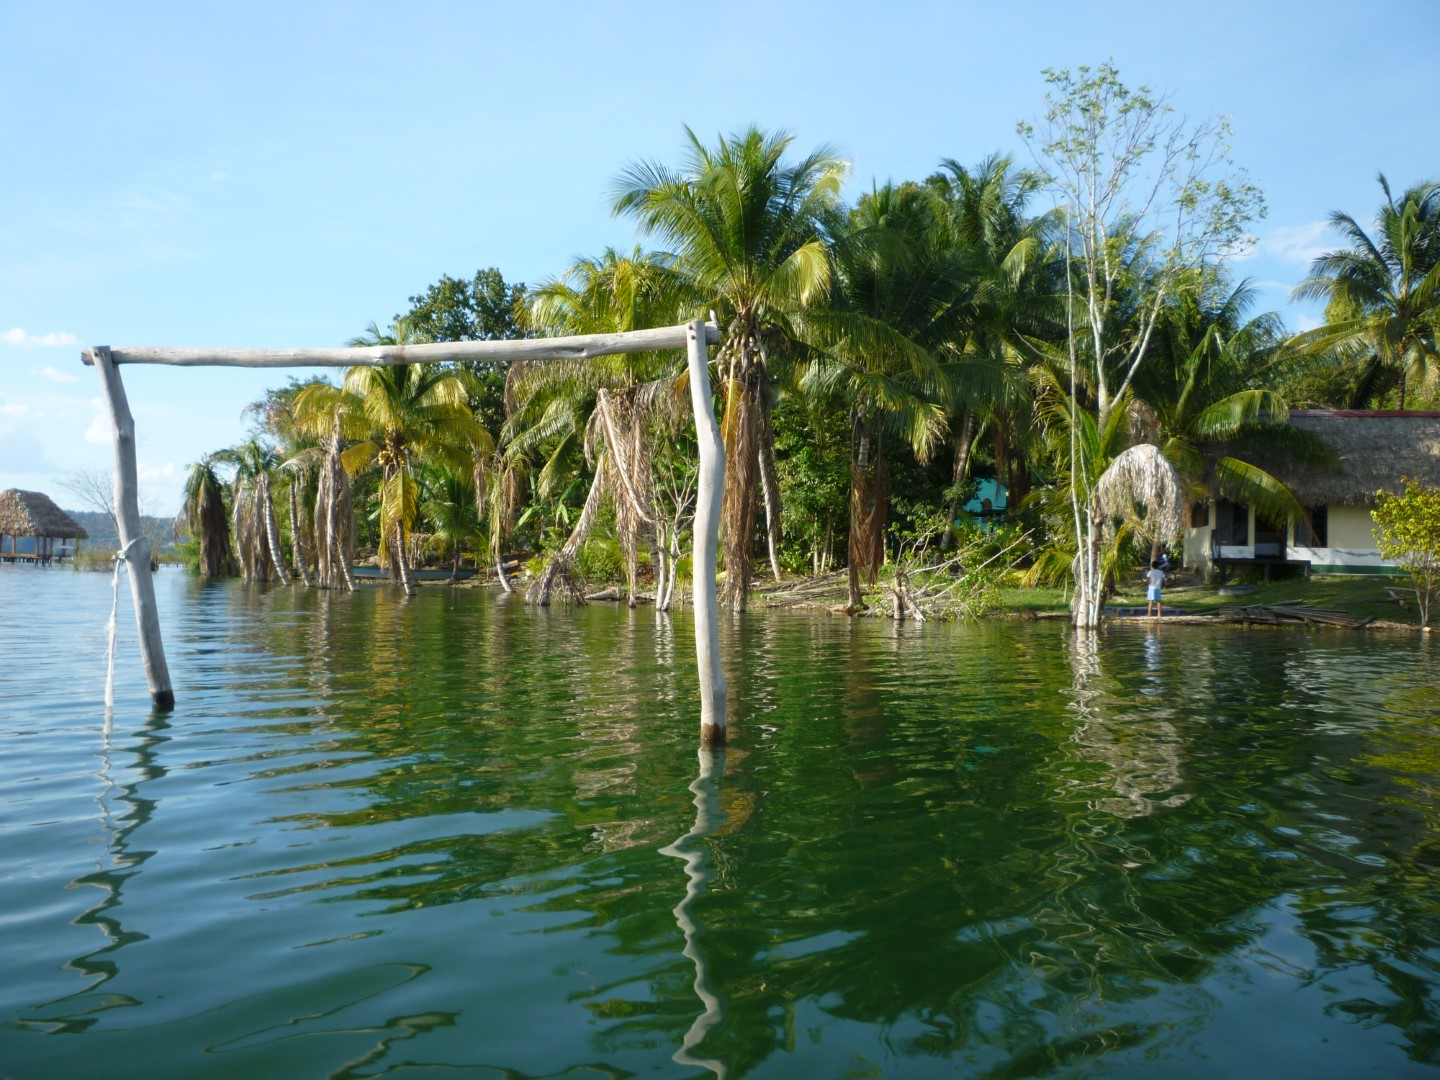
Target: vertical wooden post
127, 514
713, 691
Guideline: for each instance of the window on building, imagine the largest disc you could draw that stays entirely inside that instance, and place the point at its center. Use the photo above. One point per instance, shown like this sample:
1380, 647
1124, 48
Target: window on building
1232, 523
1314, 528
1199, 515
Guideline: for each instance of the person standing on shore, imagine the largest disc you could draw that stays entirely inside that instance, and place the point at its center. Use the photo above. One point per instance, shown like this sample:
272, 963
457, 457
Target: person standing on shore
1153, 577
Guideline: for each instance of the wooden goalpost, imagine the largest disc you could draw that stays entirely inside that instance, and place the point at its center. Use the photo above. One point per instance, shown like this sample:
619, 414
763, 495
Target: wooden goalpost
694, 337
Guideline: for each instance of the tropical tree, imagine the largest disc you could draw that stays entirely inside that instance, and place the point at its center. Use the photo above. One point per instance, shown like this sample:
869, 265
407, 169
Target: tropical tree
746, 228
1381, 294
1148, 198
1012, 315
617, 408
449, 506
392, 416
1407, 528
897, 283
257, 536
485, 308
208, 520
334, 512
301, 459
1211, 389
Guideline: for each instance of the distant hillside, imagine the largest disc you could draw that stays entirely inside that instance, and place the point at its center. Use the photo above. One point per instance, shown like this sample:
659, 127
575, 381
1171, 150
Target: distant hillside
104, 537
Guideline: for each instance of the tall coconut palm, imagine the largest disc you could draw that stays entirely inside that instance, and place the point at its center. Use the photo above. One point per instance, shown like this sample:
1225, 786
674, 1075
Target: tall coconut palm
393, 415
895, 301
448, 503
301, 456
334, 513
746, 227
611, 406
1012, 312
257, 537
1210, 386
1382, 292
207, 519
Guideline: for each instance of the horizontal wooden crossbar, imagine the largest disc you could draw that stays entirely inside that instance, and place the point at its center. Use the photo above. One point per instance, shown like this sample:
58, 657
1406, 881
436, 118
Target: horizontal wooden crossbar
582, 347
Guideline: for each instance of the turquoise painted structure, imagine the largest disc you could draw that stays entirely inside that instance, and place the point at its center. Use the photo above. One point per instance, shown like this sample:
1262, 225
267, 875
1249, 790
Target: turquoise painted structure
989, 506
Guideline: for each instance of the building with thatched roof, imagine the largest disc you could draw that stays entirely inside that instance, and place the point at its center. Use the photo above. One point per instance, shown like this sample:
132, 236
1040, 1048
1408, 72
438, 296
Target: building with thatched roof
1373, 451
33, 515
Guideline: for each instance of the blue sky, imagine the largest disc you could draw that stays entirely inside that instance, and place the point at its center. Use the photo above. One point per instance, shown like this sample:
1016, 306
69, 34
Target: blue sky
279, 174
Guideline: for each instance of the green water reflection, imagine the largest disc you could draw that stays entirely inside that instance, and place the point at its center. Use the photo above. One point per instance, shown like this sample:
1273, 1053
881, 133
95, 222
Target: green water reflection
380, 836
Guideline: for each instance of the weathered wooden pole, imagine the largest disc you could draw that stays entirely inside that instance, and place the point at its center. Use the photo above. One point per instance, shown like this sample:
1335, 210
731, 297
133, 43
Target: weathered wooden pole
127, 515
707, 534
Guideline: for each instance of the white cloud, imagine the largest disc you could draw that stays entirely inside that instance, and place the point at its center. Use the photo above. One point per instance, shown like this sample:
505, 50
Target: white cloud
20, 452
1298, 244
169, 473
56, 375
13, 408
17, 335
1304, 322
100, 432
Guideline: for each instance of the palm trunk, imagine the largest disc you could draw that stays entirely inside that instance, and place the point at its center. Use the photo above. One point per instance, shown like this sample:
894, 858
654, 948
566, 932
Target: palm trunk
332, 499
738, 503
295, 535
958, 472
401, 561
1089, 584
662, 566
272, 531
771, 489
868, 510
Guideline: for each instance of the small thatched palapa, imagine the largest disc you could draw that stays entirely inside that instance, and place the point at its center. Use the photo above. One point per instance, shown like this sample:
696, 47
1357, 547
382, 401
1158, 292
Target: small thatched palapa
32, 513
1374, 450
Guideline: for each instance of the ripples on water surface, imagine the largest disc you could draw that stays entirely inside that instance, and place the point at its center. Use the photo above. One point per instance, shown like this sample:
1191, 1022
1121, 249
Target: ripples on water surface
385, 838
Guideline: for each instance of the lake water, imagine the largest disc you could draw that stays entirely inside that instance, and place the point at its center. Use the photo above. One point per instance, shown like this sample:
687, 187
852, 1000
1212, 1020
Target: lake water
458, 837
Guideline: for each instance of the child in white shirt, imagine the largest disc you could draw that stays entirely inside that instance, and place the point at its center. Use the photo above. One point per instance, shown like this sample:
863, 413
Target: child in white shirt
1153, 577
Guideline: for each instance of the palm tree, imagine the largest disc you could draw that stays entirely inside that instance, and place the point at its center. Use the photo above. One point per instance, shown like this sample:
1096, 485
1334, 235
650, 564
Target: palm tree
1012, 314
746, 227
257, 537
895, 302
448, 502
613, 407
1382, 294
207, 520
1210, 385
393, 415
334, 513
301, 460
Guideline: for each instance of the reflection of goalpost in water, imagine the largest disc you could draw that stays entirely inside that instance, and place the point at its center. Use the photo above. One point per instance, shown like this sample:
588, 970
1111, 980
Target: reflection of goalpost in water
695, 337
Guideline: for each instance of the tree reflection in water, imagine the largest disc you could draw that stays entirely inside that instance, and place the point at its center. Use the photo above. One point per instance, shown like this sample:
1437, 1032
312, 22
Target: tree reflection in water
1141, 753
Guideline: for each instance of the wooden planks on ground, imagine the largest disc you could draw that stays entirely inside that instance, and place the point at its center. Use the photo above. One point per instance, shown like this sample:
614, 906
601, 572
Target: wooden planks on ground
1291, 612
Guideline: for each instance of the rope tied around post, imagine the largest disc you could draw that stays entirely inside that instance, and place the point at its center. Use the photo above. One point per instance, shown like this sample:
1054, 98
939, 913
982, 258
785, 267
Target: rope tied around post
121, 556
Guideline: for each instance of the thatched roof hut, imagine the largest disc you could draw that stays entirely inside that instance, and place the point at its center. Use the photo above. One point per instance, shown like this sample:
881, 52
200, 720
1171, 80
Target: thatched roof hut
32, 513
1374, 450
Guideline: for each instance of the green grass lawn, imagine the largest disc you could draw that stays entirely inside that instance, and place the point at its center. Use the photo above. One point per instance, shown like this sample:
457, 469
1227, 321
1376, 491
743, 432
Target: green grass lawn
1358, 595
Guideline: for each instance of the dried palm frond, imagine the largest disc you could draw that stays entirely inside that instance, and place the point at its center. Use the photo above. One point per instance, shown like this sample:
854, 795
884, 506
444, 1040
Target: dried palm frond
560, 570
1142, 489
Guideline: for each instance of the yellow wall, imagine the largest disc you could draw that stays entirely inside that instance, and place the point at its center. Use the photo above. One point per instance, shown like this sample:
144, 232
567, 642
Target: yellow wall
1349, 527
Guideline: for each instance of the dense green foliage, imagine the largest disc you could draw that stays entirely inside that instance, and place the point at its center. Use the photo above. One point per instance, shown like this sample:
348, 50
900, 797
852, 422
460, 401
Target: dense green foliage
1407, 528
877, 358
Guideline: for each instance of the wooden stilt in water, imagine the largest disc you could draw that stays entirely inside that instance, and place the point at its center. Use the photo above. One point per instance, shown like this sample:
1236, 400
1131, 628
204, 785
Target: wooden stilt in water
713, 692
127, 514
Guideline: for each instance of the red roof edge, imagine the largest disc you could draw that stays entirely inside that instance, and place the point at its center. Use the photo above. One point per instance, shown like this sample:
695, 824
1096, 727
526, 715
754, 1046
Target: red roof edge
1367, 414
